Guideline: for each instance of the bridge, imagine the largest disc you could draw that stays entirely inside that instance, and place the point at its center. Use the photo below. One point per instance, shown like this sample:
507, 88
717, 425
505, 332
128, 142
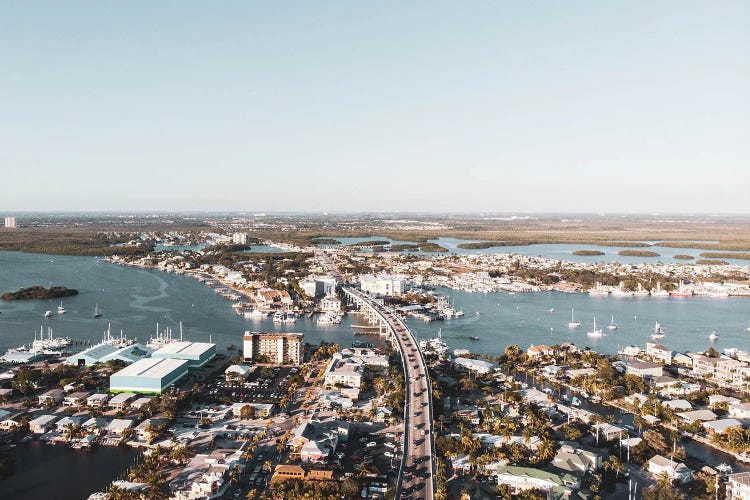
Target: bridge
416, 478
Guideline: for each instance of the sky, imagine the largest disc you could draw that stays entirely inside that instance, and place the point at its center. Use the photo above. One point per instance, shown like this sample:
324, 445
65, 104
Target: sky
491, 106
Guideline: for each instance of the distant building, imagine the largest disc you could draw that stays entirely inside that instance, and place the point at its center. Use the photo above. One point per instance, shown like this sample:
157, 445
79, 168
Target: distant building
344, 372
382, 284
643, 369
330, 303
278, 348
196, 354
239, 238
10, 222
675, 471
475, 365
318, 286
659, 353
105, 352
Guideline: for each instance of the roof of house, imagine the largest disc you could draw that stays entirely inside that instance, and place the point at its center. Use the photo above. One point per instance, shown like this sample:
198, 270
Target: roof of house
722, 424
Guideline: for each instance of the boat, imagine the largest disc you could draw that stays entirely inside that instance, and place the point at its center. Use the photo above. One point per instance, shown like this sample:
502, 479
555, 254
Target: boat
474, 338
612, 325
658, 332
48, 314
163, 337
284, 317
681, 291
330, 318
48, 342
435, 345
97, 311
595, 332
744, 457
121, 341
658, 292
60, 308
551, 310
747, 329
573, 323
640, 292
714, 336
255, 313
575, 402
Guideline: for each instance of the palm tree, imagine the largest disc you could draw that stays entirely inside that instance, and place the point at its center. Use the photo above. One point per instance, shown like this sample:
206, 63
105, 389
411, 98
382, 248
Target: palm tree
546, 449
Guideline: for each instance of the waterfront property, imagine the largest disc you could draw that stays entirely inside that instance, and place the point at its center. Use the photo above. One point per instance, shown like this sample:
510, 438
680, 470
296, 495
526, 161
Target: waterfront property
278, 348
151, 375
196, 354
106, 352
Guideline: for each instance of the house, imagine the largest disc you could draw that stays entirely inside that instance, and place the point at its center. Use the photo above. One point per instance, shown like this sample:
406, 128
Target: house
382, 414
10, 418
678, 404
118, 426
719, 426
576, 461
237, 372
144, 430
659, 353
51, 397
643, 369
539, 351
697, 416
95, 424
313, 441
479, 366
75, 399
738, 486
636, 399
97, 400
66, 423
609, 432
739, 410
121, 400
717, 399
580, 372
703, 365
42, 424
552, 371
675, 471
141, 402
555, 486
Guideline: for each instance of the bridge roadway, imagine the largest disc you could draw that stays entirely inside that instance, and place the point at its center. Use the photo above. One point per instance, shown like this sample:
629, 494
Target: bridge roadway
417, 472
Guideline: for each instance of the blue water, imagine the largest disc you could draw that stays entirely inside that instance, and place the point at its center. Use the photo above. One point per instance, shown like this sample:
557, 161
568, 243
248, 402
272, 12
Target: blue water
563, 251
132, 299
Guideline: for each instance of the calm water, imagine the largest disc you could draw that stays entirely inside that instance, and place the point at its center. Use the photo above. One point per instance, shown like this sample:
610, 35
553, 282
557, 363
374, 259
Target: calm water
562, 251
525, 319
133, 300
52, 471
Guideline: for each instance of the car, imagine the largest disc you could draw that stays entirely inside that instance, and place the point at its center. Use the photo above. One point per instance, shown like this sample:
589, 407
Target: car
390, 435
371, 444
388, 454
423, 432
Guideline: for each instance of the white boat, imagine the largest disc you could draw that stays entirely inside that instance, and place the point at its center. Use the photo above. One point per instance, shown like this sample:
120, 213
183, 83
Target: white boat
599, 290
658, 292
744, 457
658, 332
255, 313
97, 311
612, 325
575, 402
640, 292
49, 341
121, 341
163, 337
551, 310
48, 314
60, 308
573, 323
595, 332
284, 317
714, 336
330, 318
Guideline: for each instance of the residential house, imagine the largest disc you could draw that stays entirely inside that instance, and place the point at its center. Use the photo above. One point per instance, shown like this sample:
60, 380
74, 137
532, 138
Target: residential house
643, 369
719, 426
97, 400
697, 416
659, 353
576, 461
678, 404
42, 424
539, 351
740, 410
51, 397
674, 470
609, 432
237, 372
738, 486
555, 486
10, 418
121, 400
75, 399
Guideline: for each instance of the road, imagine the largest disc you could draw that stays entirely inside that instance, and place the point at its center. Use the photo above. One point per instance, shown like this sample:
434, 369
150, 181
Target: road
418, 477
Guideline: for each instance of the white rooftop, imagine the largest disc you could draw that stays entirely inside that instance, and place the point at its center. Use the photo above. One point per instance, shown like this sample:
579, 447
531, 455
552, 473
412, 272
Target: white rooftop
191, 348
151, 368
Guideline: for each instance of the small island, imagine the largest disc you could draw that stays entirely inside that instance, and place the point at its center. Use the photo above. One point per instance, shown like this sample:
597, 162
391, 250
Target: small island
481, 245
683, 256
404, 247
711, 262
726, 255
638, 253
588, 252
326, 241
39, 292
432, 247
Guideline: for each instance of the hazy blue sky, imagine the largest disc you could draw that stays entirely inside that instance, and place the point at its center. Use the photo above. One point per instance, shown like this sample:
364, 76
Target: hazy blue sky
470, 106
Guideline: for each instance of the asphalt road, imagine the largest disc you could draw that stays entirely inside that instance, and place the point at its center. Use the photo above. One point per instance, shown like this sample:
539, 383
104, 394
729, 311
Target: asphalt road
418, 479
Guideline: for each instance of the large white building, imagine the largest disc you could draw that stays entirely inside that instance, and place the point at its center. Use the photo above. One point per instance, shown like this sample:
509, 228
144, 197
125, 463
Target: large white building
239, 238
10, 222
382, 284
318, 286
345, 372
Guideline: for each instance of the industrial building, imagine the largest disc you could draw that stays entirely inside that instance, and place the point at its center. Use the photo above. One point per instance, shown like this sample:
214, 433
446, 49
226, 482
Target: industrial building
102, 353
278, 348
150, 375
196, 354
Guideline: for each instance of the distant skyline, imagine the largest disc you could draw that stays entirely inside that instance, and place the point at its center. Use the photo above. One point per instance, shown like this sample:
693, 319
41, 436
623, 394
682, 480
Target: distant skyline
496, 107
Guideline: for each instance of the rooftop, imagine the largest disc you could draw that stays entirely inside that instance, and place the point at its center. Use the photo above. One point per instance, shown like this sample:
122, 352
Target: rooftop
151, 368
191, 348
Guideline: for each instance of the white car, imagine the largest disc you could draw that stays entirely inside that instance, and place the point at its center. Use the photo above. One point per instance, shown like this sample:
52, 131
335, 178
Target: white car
388, 454
371, 444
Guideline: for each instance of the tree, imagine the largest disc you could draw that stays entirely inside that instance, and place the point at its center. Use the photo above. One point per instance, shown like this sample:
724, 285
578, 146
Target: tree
247, 412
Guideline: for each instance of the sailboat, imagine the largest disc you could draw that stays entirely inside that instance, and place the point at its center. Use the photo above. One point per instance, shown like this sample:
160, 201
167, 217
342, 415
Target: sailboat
97, 311
713, 336
60, 308
595, 332
612, 325
573, 323
658, 332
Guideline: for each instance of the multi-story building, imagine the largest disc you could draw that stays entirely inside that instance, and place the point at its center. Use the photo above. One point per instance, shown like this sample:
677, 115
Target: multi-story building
659, 353
10, 222
738, 486
278, 348
239, 238
344, 372
382, 284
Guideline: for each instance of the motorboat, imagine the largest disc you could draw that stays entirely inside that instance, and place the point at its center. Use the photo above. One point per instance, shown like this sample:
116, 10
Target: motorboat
573, 323
60, 309
714, 336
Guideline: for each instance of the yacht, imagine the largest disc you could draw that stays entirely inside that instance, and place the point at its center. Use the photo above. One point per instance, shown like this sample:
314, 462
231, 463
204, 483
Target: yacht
640, 292
435, 345
163, 337
49, 341
595, 332
255, 313
48, 314
612, 325
474, 338
60, 308
658, 332
573, 323
658, 292
714, 336
97, 311
121, 341
330, 318
620, 291
284, 317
